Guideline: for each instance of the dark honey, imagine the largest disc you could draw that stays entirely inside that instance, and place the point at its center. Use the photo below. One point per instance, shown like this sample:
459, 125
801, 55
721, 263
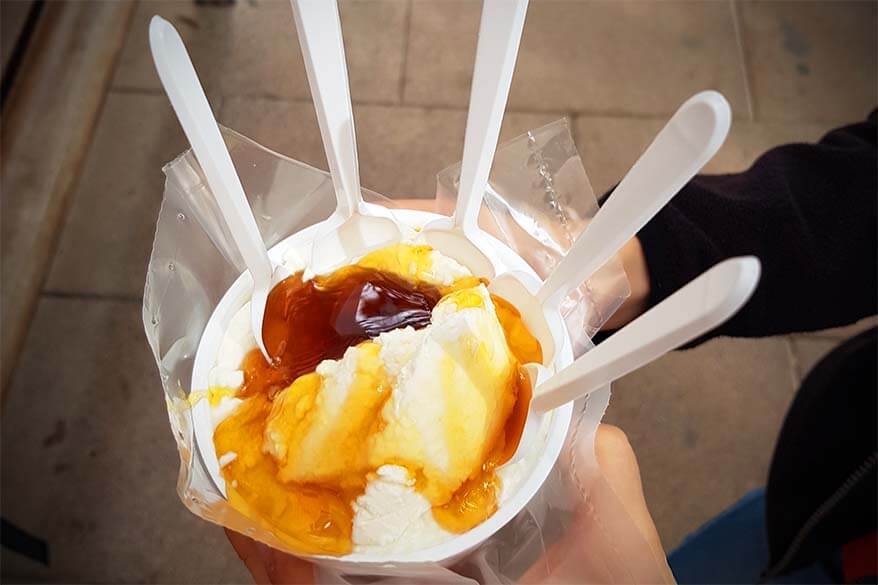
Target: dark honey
308, 322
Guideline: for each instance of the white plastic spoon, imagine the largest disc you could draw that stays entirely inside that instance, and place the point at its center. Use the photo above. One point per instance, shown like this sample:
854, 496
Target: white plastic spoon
354, 228
695, 309
690, 139
193, 110
499, 37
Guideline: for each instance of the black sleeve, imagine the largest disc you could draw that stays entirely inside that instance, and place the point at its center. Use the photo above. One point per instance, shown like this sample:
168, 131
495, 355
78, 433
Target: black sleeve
807, 211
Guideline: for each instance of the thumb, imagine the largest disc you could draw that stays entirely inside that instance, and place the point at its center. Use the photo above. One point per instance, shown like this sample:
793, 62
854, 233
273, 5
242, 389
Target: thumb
611, 537
618, 465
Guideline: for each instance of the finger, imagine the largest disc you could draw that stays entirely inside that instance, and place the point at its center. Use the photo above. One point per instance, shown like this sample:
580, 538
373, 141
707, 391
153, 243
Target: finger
285, 568
249, 555
268, 565
619, 467
618, 463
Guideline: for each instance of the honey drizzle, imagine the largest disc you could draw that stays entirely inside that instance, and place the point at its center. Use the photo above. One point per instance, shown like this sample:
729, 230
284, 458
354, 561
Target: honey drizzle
477, 499
307, 322
310, 518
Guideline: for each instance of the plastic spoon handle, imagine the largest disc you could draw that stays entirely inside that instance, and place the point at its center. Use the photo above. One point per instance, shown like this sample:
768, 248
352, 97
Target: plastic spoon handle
693, 310
499, 36
319, 29
690, 139
189, 102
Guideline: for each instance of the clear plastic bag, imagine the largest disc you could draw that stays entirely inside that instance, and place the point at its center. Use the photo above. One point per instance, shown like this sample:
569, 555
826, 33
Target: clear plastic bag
539, 202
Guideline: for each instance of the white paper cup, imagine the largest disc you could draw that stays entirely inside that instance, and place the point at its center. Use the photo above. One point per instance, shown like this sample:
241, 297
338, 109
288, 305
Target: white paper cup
540, 445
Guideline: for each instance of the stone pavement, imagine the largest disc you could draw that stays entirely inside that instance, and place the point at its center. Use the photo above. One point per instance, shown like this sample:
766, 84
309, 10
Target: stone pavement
88, 459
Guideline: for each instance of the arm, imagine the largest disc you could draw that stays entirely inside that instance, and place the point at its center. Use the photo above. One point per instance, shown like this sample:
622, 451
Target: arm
808, 211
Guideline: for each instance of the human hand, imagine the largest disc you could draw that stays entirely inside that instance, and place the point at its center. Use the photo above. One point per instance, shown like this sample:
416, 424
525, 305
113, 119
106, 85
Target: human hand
618, 464
634, 262
268, 565
611, 537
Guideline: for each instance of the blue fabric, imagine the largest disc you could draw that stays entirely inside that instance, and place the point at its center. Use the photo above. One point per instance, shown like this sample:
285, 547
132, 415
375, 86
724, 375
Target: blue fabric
732, 548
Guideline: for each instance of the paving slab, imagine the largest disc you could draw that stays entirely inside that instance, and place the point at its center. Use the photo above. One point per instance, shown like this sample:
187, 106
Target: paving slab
251, 48
621, 58
811, 61
89, 462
